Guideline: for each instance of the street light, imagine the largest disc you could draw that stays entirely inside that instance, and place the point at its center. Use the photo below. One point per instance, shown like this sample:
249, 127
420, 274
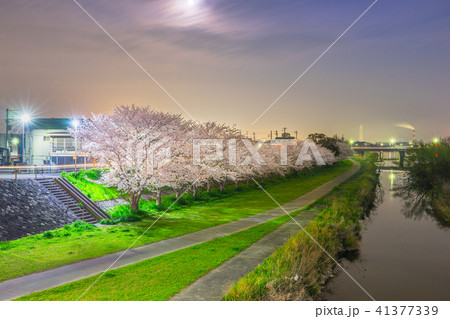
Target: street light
15, 141
435, 140
75, 123
392, 141
25, 118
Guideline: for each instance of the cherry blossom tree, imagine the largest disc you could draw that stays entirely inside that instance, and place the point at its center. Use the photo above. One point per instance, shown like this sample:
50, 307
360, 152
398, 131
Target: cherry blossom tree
345, 150
215, 153
135, 144
148, 150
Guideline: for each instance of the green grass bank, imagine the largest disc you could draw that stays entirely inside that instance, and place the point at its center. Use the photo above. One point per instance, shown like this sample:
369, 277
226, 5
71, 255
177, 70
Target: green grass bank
299, 269
161, 277
81, 241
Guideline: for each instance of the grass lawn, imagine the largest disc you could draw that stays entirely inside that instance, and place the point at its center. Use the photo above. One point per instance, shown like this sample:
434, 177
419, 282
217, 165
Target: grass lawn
92, 190
161, 277
71, 244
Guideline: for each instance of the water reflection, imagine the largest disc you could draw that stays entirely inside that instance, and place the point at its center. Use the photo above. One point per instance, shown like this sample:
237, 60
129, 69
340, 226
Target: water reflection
416, 205
403, 255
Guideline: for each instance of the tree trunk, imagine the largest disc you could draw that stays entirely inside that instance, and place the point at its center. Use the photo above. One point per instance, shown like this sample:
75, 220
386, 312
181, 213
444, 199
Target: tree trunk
177, 193
236, 183
194, 190
158, 197
248, 182
208, 186
221, 186
134, 201
262, 180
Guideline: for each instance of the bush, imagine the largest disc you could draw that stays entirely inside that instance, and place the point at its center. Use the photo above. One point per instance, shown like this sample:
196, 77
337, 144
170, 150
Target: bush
94, 174
122, 213
82, 226
48, 234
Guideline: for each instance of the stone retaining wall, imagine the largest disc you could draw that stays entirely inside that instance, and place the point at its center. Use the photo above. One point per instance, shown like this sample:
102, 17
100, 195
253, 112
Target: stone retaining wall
26, 208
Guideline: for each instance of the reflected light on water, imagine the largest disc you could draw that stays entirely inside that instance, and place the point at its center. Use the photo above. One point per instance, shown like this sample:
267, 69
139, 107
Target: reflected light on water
391, 178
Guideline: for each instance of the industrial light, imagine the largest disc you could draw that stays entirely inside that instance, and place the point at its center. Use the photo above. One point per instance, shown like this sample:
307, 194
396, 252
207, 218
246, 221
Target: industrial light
15, 141
436, 140
352, 141
392, 140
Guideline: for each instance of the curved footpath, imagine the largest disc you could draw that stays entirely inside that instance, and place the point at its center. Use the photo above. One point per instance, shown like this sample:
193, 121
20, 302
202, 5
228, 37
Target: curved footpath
215, 284
14, 288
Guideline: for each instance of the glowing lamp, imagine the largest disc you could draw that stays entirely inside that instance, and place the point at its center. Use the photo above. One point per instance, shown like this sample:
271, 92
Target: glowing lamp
75, 123
15, 141
25, 118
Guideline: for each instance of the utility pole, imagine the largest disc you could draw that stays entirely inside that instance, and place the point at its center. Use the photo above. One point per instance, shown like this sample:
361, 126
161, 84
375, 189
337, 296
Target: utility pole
296, 135
23, 141
254, 136
276, 134
6, 135
270, 134
76, 151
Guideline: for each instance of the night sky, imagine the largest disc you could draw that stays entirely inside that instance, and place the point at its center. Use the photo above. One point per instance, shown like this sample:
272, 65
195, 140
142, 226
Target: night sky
229, 60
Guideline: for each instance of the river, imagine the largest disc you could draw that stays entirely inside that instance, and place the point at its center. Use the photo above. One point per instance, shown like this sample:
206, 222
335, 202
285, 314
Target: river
399, 258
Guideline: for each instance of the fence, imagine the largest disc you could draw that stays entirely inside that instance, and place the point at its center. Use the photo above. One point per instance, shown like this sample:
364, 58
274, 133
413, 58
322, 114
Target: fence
39, 170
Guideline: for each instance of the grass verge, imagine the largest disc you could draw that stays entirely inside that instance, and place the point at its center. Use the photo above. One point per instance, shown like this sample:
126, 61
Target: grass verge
64, 246
298, 270
161, 277
94, 191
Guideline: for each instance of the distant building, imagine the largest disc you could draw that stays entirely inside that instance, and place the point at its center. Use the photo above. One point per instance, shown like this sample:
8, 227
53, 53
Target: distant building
285, 139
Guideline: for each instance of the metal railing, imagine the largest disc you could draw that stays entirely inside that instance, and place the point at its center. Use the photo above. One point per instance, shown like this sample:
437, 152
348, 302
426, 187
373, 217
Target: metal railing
88, 204
43, 170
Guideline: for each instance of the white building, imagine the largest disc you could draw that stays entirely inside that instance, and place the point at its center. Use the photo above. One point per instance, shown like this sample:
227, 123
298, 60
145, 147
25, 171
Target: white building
48, 142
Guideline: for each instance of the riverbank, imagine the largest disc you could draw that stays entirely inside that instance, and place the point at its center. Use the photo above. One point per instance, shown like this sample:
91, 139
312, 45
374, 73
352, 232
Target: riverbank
69, 245
206, 255
299, 270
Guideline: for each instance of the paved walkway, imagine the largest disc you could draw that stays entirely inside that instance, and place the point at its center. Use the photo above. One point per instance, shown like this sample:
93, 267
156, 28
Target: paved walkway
214, 285
14, 288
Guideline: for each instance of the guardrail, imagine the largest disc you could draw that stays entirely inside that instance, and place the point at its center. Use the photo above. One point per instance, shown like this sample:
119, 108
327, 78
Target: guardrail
44, 169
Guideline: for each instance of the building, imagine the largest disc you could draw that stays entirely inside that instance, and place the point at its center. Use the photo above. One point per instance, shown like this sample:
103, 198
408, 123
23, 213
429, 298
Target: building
46, 142
50, 143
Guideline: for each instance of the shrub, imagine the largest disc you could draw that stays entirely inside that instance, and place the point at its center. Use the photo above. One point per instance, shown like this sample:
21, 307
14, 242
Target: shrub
48, 234
122, 213
94, 174
82, 226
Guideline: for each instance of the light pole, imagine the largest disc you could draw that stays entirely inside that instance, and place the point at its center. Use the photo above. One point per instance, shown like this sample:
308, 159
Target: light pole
25, 118
75, 124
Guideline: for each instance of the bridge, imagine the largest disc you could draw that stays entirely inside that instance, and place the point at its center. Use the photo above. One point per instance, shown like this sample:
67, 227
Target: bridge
381, 149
